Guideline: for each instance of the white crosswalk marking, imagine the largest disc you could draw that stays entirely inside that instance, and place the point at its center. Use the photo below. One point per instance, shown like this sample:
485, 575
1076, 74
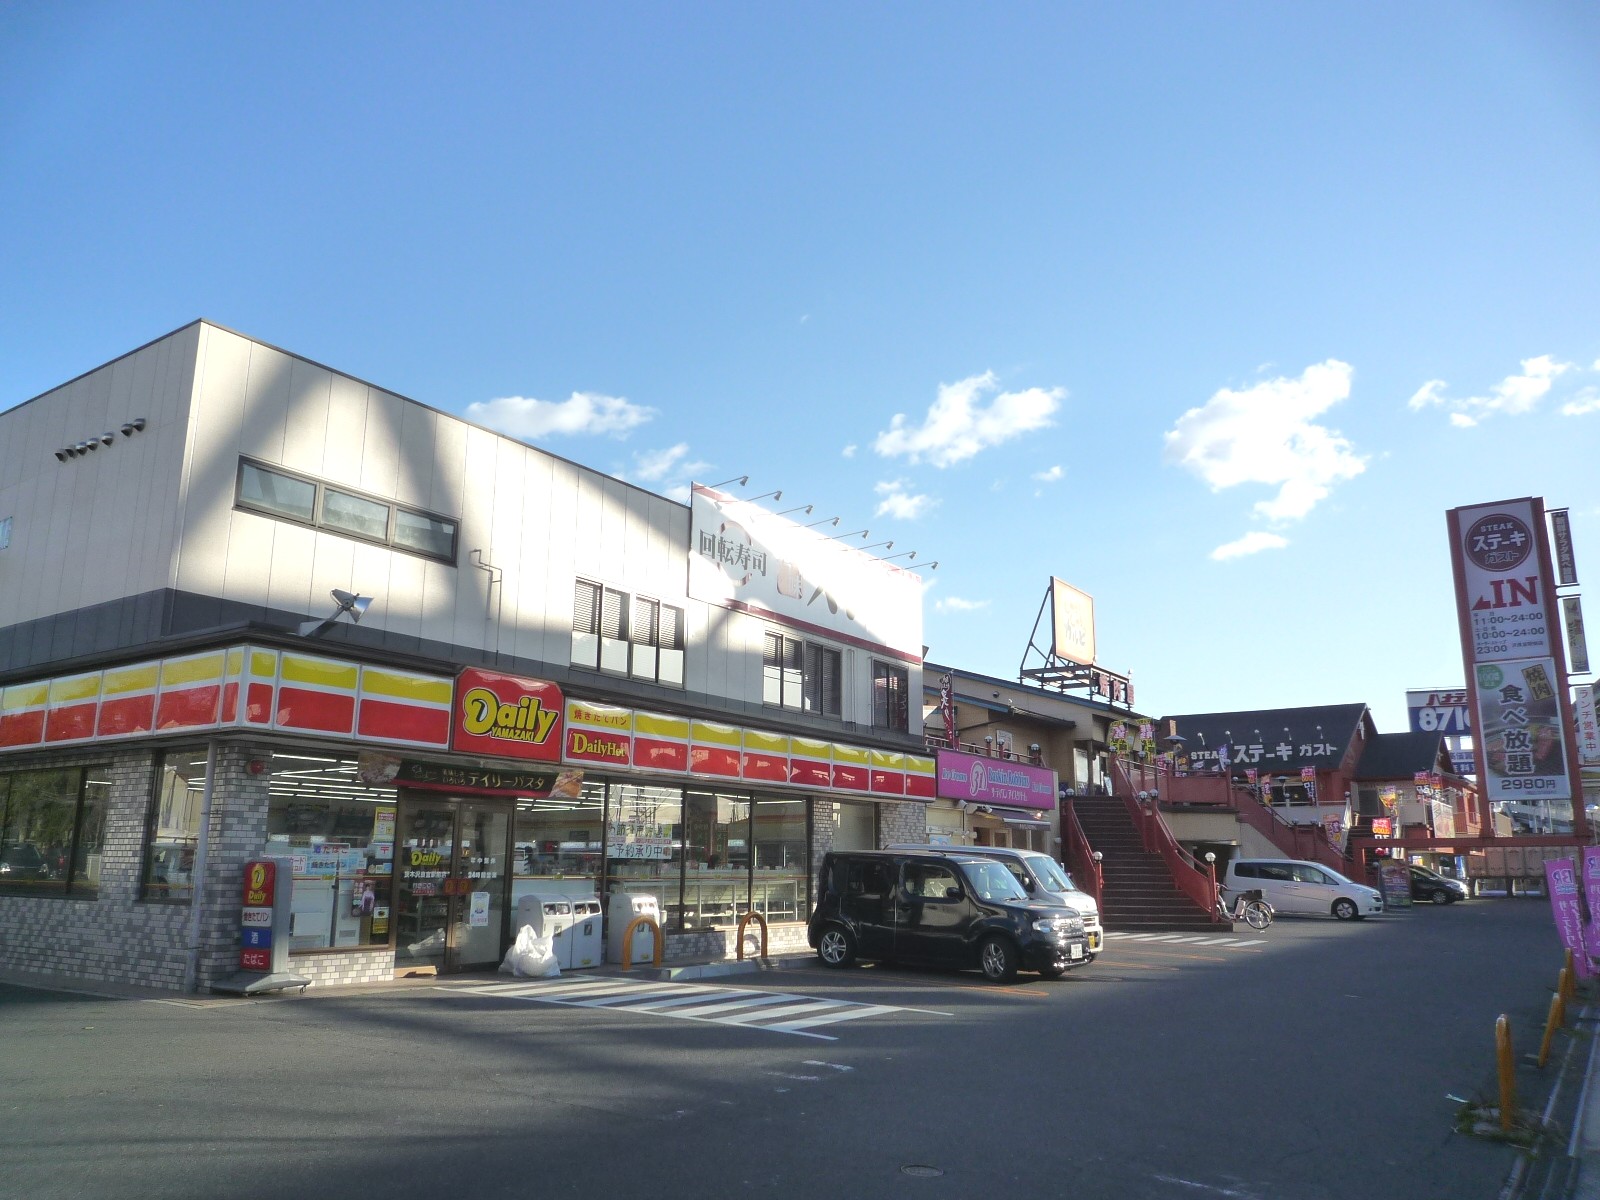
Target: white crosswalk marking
781, 1012
1179, 939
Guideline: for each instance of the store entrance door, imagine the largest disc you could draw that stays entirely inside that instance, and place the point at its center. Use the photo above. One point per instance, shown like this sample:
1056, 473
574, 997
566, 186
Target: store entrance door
452, 884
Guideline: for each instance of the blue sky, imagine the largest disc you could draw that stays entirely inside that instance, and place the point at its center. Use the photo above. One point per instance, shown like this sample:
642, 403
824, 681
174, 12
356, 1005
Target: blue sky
1210, 310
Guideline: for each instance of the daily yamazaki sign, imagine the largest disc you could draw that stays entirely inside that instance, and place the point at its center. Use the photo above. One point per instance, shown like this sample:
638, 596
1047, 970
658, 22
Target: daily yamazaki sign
506, 716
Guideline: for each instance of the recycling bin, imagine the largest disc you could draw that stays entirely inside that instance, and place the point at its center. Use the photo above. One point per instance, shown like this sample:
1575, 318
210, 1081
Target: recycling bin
624, 908
551, 917
586, 938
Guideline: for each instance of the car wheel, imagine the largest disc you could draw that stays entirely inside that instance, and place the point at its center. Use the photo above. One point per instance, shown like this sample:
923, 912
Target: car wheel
998, 960
1345, 909
836, 947
1052, 972
1440, 896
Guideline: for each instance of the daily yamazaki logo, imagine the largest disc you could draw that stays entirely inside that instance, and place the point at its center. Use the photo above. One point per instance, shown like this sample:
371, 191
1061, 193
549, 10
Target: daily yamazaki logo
507, 716
484, 714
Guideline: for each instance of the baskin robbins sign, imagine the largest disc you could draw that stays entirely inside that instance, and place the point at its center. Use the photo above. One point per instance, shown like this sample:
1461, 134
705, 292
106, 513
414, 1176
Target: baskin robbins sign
505, 716
980, 780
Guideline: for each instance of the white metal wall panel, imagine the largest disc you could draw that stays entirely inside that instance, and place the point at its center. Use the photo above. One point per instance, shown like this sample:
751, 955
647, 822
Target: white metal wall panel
262, 428
380, 452
305, 431
98, 526
347, 432
215, 433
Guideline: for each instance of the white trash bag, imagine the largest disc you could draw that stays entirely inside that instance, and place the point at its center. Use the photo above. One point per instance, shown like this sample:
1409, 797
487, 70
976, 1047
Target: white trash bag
531, 956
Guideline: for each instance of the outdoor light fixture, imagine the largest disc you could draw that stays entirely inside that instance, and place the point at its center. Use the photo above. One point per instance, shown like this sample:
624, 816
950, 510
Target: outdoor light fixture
777, 495
741, 480
875, 545
824, 521
804, 508
132, 427
853, 533
350, 605
63, 455
902, 554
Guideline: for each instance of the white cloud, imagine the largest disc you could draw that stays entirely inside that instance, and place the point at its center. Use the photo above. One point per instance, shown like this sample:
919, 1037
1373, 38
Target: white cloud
1267, 434
1053, 475
959, 424
957, 604
652, 466
1586, 401
849, 451
1512, 396
899, 502
581, 413
1253, 542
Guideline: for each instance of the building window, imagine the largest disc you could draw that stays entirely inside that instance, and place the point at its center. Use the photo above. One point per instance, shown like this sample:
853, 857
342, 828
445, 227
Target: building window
51, 826
646, 643
273, 492
657, 642
890, 697
172, 826
599, 627
355, 515
802, 675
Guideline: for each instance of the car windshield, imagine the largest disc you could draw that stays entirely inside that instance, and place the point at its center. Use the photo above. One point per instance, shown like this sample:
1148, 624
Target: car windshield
1049, 873
991, 881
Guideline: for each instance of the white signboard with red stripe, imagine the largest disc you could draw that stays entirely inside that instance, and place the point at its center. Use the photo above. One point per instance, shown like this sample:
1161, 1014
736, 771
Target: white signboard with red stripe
1512, 650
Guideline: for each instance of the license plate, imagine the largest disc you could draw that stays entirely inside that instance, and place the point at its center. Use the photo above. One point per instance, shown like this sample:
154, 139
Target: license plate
1077, 950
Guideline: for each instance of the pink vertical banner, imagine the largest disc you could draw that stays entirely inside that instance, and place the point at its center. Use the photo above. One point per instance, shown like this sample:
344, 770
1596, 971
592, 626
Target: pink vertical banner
1591, 891
1561, 880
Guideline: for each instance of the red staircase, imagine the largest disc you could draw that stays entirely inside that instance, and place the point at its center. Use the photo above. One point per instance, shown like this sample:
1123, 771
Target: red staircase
1138, 893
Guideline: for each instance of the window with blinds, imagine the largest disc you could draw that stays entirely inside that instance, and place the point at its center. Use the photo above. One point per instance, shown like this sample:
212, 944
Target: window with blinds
890, 697
802, 675
643, 638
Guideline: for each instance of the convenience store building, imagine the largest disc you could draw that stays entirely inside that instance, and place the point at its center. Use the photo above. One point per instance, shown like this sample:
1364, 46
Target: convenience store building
535, 679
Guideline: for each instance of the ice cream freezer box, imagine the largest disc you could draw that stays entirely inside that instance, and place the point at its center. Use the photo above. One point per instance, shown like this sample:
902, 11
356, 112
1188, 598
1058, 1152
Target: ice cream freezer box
572, 923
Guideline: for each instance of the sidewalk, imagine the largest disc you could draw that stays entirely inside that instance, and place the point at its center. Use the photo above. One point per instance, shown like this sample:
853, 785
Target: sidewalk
100, 990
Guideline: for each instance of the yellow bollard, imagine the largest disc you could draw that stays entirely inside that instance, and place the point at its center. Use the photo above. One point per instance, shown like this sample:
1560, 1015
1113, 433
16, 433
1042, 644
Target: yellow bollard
1572, 980
1551, 1024
1508, 1072
1563, 990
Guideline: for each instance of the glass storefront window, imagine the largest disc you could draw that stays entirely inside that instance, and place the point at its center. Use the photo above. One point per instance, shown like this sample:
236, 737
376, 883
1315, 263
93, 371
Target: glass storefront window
172, 826
339, 834
51, 825
716, 888
644, 845
557, 844
782, 859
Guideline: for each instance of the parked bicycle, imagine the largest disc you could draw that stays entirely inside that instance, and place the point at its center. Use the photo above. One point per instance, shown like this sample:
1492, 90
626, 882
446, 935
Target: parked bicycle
1248, 907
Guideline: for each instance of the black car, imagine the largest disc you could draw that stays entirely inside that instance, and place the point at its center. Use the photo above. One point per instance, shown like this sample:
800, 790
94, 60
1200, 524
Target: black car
22, 860
943, 909
1432, 887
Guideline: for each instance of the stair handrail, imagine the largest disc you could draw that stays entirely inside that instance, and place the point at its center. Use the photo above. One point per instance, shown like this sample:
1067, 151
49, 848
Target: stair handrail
1304, 840
1193, 878
1079, 854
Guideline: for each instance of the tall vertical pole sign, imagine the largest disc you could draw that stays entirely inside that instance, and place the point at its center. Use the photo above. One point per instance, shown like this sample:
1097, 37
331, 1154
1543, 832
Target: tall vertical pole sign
1511, 646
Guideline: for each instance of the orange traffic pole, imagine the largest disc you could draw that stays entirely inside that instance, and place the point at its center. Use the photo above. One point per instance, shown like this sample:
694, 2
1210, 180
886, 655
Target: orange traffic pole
1551, 1024
1508, 1076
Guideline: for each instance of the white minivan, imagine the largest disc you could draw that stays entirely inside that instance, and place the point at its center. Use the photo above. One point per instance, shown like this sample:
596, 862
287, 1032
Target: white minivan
1043, 878
1293, 885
